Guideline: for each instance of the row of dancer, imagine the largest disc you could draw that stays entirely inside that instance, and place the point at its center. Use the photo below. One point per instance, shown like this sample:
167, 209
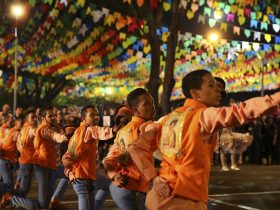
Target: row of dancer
39, 147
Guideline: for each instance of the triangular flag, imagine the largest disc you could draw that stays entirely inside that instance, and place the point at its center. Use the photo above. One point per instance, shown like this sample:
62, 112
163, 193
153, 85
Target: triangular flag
212, 22
264, 26
256, 46
166, 6
257, 35
236, 30
247, 33
267, 37
241, 20
194, 7
201, 19
276, 27
223, 27
190, 14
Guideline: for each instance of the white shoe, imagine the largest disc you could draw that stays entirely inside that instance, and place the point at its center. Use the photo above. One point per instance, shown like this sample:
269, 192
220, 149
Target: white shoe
234, 168
225, 168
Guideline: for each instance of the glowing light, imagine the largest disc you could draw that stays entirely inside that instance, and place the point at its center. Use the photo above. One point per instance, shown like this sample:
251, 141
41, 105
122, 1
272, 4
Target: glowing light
109, 90
213, 37
17, 10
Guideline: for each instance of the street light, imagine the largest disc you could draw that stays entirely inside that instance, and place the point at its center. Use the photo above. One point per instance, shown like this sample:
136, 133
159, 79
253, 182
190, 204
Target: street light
17, 12
214, 37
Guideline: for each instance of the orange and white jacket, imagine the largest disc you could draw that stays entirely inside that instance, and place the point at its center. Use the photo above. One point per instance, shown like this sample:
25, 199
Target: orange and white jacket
112, 163
44, 142
25, 144
186, 165
80, 158
8, 146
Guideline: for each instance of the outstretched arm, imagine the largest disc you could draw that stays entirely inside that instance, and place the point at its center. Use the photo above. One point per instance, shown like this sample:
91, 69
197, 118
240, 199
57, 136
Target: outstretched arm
213, 119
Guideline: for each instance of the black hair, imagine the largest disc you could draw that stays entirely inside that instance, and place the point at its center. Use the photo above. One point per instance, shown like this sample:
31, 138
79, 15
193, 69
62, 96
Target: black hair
29, 111
118, 108
223, 92
21, 118
193, 80
84, 110
220, 80
132, 97
43, 111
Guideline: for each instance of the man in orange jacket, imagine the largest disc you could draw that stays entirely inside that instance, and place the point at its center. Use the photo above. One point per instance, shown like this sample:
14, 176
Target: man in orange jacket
182, 181
26, 149
127, 179
9, 153
80, 159
44, 156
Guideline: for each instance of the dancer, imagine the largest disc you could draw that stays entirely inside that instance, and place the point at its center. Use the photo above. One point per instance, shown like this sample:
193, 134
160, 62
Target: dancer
182, 181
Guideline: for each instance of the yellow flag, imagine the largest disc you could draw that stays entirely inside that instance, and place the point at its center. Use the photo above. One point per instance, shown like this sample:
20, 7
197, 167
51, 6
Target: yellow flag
81, 2
223, 27
233, 9
190, 14
122, 36
267, 37
240, 12
166, 6
265, 18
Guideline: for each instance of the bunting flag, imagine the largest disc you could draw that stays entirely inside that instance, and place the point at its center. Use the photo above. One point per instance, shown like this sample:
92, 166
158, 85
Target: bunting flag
101, 48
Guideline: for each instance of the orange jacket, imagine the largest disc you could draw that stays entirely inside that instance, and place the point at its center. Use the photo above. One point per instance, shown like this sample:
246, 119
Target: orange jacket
4, 130
44, 142
126, 136
184, 169
8, 147
80, 157
186, 164
25, 144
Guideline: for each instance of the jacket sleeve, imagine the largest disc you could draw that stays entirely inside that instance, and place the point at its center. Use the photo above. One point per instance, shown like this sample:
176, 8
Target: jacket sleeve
141, 150
213, 119
68, 163
110, 162
48, 133
100, 133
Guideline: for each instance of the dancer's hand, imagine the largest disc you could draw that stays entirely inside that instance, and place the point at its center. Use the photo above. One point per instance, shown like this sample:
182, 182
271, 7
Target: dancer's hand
160, 185
124, 159
120, 180
71, 177
116, 128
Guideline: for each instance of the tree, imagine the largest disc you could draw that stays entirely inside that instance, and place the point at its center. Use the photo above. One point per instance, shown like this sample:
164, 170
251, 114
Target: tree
42, 90
154, 80
155, 20
36, 90
176, 14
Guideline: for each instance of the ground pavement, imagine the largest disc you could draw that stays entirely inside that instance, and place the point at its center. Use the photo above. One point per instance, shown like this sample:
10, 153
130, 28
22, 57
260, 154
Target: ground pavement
251, 188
